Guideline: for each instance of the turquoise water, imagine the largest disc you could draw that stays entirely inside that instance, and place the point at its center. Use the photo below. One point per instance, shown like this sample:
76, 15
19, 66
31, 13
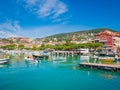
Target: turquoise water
49, 75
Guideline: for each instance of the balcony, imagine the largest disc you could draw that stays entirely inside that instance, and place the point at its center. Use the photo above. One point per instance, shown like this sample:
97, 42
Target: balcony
103, 40
115, 43
114, 38
109, 48
97, 39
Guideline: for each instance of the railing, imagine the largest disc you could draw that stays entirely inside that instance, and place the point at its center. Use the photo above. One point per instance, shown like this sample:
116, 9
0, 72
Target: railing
97, 39
103, 40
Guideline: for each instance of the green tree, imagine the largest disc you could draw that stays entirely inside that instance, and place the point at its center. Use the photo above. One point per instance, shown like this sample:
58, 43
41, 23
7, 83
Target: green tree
21, 46
118, 48
9, 47
99, 49
42, 47
34, 48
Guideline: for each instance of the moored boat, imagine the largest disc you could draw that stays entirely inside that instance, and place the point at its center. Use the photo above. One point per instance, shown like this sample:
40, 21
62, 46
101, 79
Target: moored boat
31, 59
40, 57
108, 60
4, 60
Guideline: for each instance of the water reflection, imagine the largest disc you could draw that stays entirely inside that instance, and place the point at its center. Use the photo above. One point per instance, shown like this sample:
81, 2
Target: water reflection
70, 63
109, 75
18, 60
4, 66
31, 64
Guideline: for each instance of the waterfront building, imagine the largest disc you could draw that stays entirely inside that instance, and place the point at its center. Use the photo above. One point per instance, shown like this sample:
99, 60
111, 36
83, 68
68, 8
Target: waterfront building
109, 39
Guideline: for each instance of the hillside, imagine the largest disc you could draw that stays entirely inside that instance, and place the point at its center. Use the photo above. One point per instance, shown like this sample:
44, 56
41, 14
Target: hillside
79, 35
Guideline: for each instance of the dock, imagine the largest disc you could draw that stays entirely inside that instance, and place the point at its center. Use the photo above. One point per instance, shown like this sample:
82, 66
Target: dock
72, 52
109, 67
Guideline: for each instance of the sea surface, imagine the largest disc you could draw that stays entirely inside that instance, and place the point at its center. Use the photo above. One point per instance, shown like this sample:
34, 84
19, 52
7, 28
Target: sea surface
66, 74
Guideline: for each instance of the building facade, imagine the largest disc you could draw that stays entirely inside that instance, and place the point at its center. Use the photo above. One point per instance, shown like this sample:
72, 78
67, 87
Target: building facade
110, 40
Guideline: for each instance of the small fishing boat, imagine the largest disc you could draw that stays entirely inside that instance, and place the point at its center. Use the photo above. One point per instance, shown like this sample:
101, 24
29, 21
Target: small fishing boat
41, 57
31, 60
4, 60
107, 60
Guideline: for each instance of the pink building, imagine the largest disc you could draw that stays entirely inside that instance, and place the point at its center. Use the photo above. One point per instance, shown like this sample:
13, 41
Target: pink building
108, 39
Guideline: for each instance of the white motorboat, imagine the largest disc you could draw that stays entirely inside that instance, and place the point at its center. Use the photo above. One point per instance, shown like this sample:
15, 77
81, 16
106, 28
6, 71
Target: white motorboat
31, 60
4, 60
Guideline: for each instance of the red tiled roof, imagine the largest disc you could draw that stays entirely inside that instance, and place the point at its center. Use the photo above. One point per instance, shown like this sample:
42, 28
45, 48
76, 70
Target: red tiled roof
110, 33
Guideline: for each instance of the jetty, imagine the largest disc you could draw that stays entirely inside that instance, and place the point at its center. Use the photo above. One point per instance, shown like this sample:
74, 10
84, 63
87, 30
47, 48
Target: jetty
109, 67
63, 52
72, 52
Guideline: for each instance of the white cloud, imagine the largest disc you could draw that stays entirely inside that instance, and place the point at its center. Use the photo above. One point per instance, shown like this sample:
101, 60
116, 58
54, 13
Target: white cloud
6, 34
9, 29
46, 8
31, 2
60, 9
66, 17
10, 26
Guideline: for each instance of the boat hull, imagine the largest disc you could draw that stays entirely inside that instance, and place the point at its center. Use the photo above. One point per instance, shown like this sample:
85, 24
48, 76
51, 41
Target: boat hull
4, 60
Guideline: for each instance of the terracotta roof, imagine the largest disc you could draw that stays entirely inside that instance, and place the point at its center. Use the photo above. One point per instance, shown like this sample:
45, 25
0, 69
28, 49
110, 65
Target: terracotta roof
108, 32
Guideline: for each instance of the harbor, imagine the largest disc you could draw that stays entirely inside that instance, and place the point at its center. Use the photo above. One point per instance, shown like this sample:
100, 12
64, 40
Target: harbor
59, 45
57, 72
69, 65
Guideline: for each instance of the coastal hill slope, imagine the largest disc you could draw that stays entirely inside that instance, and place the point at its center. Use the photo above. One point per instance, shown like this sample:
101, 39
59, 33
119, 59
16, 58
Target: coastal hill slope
82, 36
79, 35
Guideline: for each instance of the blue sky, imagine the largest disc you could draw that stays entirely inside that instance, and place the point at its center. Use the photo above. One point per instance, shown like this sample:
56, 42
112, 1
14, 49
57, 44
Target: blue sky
40, 18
